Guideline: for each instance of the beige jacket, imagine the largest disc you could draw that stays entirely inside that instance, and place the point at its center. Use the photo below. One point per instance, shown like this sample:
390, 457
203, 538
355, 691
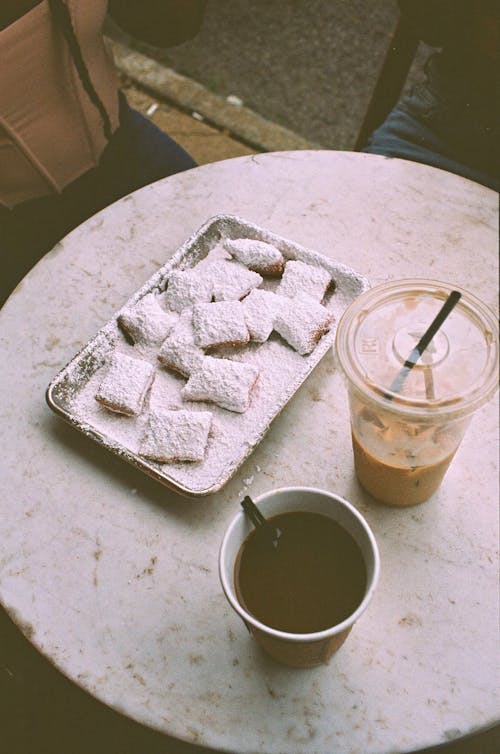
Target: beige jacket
50, 131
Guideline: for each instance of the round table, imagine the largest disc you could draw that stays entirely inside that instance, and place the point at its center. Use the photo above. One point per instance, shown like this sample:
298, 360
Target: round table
114, 577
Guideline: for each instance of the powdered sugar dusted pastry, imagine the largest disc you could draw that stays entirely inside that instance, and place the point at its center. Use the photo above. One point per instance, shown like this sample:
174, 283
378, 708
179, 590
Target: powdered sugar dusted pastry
260, 308
227, 383
259, 256
301, 278
146, 321
220, 323
176, 435
179, 351
232, 280
125, 384
187, 287
302, 322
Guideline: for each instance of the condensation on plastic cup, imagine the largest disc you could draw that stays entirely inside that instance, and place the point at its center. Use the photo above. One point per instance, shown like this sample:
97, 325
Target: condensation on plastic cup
300, 650
404, 442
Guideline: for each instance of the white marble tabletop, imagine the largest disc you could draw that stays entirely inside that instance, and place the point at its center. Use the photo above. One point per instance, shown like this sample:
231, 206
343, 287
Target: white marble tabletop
114, 578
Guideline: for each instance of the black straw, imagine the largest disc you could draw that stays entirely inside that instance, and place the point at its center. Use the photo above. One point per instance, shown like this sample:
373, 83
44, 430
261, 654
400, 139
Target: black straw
259, 521
422, 344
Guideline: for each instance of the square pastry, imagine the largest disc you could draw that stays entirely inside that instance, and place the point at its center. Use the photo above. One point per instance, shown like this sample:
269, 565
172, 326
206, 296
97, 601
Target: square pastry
186, 288
260, 308
125, 384
227, 383
301, 278
259, 256
231, 280
301, 322
220, 323
179, 351
146, 321
177, 435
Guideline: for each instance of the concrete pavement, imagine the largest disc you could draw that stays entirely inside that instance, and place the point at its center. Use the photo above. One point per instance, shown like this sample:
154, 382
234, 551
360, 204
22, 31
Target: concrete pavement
202, 141
309, 67
180, 94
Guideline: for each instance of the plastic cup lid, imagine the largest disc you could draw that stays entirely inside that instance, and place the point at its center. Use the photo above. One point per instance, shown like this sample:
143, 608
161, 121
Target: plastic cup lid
456, 373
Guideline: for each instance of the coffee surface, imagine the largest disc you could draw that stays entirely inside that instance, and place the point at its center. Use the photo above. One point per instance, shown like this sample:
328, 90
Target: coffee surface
314, 579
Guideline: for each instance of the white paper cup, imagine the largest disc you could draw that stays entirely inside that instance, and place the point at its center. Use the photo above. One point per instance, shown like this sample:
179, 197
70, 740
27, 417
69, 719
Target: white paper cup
300, 650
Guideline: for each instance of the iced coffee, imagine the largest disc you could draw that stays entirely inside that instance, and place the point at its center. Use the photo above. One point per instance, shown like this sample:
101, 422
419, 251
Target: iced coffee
401, 462
406, 430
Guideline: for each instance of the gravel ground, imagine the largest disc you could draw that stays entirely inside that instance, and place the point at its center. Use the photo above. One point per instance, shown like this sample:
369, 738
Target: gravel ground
310, 67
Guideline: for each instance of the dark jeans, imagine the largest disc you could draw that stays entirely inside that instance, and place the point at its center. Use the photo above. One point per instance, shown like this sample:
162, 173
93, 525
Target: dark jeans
446, 124
138, 153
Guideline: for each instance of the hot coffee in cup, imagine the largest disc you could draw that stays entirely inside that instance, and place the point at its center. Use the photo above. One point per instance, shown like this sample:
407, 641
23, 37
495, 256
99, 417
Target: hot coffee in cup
300, 595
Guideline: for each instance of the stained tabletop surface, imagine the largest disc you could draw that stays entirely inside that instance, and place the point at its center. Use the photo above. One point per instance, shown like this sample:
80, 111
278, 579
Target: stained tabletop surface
114, 577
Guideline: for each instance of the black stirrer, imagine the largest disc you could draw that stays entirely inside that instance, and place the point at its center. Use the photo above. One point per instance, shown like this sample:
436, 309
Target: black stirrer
422, 344
258, 520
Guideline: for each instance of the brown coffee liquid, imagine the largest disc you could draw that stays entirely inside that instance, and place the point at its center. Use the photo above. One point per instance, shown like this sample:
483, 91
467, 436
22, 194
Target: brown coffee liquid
314, 579
397, 485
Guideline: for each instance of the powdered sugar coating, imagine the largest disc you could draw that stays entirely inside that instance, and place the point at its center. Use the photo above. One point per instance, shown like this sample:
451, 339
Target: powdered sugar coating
233, 435
125, 384
146, 321
187, 287
179, 351
300, 278
221, 381
220, 323
302, 322
231, 280
176, 435
259, 256
260, 307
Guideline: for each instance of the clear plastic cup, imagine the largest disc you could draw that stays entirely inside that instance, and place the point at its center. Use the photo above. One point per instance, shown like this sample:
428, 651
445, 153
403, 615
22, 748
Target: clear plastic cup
404, 439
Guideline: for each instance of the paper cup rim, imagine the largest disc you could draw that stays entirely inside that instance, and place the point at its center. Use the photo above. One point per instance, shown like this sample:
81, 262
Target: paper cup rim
226, 580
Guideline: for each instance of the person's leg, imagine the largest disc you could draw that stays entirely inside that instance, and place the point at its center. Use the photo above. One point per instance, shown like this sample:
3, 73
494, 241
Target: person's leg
445, 122
404, 135
139, 153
